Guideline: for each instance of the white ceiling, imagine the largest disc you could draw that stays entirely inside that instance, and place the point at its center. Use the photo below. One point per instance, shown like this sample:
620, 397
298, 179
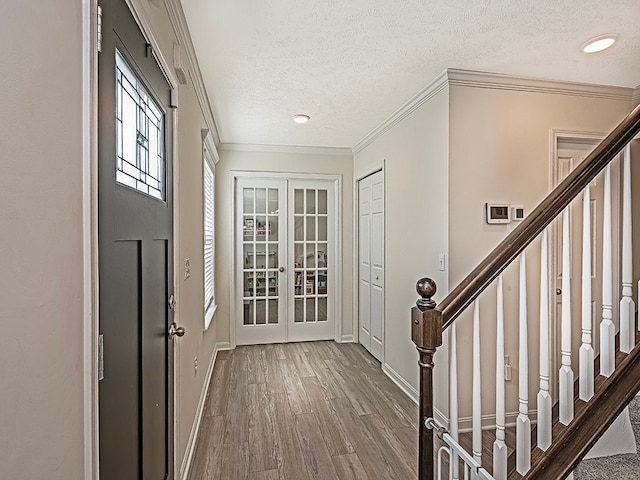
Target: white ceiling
349, 64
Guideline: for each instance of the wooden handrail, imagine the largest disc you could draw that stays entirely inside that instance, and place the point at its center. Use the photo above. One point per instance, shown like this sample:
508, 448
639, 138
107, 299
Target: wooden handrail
508, 250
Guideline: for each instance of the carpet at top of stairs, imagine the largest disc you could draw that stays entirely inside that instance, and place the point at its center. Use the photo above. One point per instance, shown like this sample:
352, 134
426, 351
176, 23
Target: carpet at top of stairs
620, 467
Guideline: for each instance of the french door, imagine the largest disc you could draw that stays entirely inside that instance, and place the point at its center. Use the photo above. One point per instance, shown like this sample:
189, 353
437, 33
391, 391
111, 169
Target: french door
285, 260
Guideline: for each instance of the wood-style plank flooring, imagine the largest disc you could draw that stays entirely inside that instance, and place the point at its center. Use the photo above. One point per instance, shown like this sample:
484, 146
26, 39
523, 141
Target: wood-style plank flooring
317, 410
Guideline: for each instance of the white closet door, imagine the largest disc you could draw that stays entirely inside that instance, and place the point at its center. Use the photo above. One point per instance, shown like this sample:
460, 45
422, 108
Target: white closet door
569, 156
364, 254
377, 265
371, 263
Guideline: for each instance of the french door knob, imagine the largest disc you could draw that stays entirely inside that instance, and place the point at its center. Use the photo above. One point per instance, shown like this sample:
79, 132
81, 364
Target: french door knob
558, 291
281, 269
175, 330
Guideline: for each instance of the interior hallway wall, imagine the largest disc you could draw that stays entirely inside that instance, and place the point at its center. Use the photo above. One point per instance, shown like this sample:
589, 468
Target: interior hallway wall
415, 153
41, 279
500, 151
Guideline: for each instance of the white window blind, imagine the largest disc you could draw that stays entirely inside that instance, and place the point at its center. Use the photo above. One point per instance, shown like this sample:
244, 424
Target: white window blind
208, 239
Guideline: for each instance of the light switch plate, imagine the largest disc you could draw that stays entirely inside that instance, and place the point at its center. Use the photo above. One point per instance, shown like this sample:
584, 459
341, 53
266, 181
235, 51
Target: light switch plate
187, 268
517, 212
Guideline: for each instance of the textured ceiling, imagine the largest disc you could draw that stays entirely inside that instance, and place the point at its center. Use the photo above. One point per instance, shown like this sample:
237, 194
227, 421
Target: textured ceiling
349, 64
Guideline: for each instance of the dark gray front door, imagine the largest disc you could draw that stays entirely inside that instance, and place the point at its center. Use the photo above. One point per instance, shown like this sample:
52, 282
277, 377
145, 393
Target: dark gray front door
135, 212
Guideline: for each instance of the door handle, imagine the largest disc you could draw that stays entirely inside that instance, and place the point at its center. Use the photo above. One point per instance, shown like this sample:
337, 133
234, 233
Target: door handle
558, 291
281, 269
175, 330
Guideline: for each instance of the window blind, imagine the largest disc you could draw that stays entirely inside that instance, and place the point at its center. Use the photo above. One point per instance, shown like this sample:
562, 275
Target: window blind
208, 235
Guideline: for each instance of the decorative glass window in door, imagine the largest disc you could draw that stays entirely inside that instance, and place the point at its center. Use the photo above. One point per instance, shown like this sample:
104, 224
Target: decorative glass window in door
260, 254
140, 161
310, 262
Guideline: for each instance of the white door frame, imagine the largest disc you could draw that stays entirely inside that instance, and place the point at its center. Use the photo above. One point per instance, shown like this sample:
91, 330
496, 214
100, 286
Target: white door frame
558, 136
234, 175
370, 170
90, 237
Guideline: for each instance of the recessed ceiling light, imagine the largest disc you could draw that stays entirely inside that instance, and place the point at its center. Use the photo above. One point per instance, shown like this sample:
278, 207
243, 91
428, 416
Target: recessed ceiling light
301, 118
599, 43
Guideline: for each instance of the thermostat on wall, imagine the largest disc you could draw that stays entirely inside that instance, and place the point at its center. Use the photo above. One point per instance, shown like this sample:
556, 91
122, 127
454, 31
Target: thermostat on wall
498, 213
517, 212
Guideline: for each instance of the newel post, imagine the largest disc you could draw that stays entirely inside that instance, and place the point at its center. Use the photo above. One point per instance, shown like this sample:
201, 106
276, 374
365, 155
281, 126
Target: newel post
426, 333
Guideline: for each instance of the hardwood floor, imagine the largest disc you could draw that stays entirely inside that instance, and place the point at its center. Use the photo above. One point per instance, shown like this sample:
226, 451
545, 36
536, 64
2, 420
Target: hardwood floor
317, 410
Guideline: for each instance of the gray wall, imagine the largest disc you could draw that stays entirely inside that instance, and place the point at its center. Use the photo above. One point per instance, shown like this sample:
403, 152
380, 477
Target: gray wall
41, 297
415, 152
500, 151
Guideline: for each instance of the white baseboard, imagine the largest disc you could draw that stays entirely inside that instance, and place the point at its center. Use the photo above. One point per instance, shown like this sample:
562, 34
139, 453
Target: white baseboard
195, 428
489, 421
464, 423
346, 339
410, 391
405, 386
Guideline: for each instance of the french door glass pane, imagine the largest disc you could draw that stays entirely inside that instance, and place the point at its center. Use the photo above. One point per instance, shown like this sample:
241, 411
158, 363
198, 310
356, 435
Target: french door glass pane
260, 250
310, 255
248, 311
322, 202
322, 229
299, 312
311, 310
322, 309
299, 201
273, 311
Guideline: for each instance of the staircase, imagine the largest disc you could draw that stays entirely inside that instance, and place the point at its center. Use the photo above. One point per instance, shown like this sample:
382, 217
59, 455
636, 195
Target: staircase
580, 391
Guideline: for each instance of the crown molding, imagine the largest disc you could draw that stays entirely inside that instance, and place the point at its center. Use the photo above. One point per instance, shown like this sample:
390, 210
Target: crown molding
428, 92
497, 81
300, 149
181, 30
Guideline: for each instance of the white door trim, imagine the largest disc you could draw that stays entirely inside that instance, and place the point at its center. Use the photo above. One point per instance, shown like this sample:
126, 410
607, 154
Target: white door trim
557, 136
90, 236
234, 175
376, 167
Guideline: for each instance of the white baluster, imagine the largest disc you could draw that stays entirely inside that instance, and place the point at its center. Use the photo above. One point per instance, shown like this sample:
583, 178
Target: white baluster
523, 423
499, 446
477, 387
586, 349
544, 396
607, 328
566, 373
453, 398
627, 305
